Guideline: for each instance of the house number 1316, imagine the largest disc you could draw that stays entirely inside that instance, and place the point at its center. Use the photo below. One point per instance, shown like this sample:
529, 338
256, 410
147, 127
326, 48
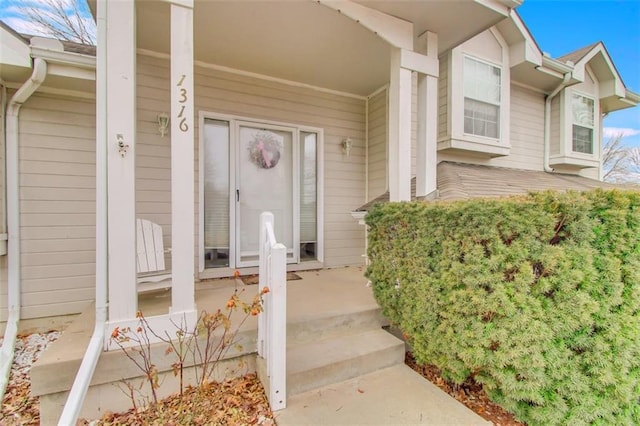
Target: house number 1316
183, 98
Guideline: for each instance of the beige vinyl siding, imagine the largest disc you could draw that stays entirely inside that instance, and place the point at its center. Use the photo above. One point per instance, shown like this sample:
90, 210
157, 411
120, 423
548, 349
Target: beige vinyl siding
526, 134
377, 145
234, 94
554, 147
153, 152
443, 79
526, 131
57, 202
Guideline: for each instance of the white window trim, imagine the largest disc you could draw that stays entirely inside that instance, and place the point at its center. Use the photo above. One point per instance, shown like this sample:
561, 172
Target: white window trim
455, 89
464, 97
595, 135
233, 119
566, 156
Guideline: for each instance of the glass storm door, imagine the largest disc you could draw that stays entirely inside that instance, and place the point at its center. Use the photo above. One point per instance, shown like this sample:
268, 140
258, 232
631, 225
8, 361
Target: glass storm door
265, 181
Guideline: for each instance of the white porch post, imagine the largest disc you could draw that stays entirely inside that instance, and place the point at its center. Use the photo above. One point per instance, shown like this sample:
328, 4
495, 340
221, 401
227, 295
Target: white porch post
182, 158
399, 130
121, 134
426, 147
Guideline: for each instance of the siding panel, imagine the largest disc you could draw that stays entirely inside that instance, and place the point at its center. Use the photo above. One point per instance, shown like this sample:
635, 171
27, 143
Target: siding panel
443, 124
377, 145
57, 201
527, 131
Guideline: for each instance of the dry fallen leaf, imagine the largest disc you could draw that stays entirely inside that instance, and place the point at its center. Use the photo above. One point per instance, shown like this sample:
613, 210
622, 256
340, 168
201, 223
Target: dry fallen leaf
469, 393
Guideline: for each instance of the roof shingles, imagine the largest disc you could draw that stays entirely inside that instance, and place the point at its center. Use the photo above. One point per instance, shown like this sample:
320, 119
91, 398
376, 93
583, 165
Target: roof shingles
458, 181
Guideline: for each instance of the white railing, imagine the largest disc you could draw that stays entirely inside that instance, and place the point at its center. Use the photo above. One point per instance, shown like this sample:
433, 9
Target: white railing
272, 322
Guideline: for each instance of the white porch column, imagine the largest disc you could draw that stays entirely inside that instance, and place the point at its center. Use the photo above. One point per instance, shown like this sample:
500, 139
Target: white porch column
427, 140
399, 130
182, 158
121, 134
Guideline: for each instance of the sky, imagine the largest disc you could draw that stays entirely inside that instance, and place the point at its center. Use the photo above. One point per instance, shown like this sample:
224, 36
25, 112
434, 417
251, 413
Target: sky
12, 14
559, 27
562, 26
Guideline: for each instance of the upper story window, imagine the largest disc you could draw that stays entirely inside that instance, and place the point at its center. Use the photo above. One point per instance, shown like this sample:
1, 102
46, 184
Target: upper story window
474, 95
583, 111
482, 87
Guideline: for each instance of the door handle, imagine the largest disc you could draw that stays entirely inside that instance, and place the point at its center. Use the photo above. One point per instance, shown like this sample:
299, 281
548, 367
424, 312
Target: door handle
237, 195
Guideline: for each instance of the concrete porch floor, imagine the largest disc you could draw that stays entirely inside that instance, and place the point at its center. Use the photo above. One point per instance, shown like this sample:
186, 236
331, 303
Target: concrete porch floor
319, 293
394, 395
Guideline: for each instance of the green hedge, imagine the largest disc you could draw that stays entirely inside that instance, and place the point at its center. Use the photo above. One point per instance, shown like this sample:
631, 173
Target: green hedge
536, 297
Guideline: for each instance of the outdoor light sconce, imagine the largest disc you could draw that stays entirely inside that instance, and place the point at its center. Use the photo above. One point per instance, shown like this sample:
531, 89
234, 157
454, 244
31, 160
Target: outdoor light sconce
163, 124
346, 146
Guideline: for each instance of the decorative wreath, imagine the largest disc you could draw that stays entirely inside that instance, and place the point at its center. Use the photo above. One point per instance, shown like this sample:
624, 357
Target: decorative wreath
264, 150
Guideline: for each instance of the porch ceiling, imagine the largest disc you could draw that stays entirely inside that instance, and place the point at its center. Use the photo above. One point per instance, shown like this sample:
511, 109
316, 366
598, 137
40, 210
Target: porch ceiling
305, 41
300, 41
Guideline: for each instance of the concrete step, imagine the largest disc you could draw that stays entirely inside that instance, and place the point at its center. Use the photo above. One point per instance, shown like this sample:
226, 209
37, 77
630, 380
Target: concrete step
312, 329
334, 359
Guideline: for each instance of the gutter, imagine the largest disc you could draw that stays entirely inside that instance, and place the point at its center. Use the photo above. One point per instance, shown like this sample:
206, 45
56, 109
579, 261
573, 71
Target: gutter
547, 120
13, 217
82, 381
555, 65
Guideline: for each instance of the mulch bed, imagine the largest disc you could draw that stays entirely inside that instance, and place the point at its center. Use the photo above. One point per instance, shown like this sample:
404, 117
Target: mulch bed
469, 393
239, 401
233, 402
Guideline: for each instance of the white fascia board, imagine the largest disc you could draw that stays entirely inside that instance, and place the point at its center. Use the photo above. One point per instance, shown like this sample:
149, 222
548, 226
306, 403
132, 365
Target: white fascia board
618, 86
64, 58
532, 52
632, 97
555, 65
498, 6
523, 52
13, 50
416, 62
71, 72
395, 31
550, 72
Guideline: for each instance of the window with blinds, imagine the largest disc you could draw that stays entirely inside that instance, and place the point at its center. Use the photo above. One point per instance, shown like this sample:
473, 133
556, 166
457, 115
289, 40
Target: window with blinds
216, 193
308, 195
481, 98
583, 112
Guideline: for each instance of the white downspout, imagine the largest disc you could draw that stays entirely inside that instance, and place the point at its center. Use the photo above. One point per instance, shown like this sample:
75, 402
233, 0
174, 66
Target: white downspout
81, 383
13, 218
547, 120
3, 174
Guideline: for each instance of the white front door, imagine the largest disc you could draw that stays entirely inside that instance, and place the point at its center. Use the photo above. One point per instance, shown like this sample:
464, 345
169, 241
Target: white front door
266, 180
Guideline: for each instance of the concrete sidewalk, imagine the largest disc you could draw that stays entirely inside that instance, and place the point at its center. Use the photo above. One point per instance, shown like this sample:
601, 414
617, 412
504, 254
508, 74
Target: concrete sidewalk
393, 396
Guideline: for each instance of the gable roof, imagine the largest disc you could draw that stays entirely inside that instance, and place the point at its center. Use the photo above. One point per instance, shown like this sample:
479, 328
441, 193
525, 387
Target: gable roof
577, 55
458, 181
614, 95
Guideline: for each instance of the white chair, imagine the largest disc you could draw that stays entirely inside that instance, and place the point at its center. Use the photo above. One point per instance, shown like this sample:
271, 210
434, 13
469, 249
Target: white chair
150, 257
